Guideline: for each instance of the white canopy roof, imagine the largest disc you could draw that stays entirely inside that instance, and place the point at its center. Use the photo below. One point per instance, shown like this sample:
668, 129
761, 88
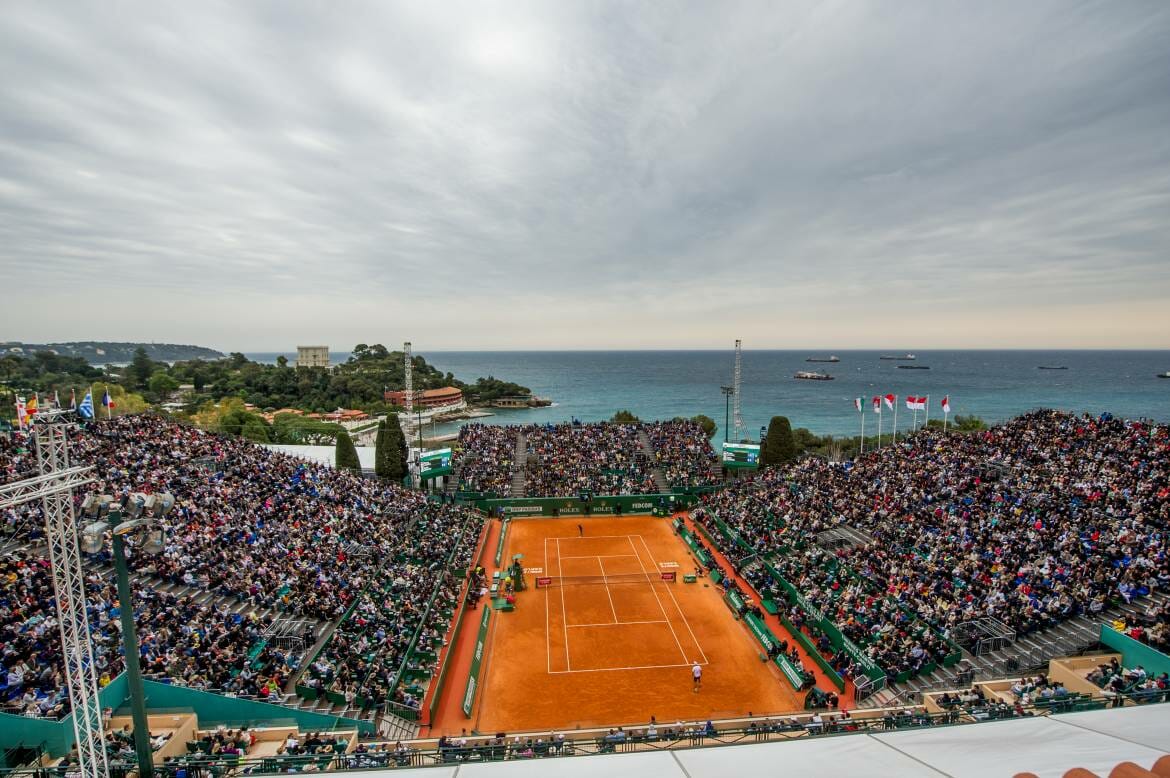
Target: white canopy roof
1047, 746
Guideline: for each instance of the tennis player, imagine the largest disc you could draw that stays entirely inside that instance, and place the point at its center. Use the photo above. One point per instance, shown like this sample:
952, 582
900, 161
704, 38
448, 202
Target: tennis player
697, 676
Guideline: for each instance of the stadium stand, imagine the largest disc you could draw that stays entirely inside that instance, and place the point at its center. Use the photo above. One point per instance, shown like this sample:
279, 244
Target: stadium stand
255, 539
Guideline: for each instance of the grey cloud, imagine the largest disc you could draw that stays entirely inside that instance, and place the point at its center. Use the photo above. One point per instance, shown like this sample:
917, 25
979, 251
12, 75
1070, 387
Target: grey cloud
413, 155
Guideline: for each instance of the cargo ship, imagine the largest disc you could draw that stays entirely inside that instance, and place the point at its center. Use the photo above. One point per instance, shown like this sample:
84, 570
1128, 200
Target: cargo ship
904, 357
806, 375
823, 359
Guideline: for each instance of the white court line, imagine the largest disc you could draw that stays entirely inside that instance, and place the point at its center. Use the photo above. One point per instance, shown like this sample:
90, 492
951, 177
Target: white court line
618, 623
593, 537
600, 556
608, 593
657, 599
547, 644
679, 607
612, 669
564, 610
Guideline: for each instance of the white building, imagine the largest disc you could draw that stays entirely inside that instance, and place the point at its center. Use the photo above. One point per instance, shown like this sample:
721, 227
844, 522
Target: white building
312, 356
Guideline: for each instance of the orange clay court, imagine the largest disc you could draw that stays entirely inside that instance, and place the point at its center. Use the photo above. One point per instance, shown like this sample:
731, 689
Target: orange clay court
588, 653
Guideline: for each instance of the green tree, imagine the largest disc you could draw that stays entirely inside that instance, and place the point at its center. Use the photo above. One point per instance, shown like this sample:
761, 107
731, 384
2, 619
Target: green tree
282, 361
140, 368
780, 446
625, 417
398, 445
256, 431
162, 384
346, 454
384, 452
707, 423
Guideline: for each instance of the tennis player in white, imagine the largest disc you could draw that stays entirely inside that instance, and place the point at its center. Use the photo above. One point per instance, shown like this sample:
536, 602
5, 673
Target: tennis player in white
697, 675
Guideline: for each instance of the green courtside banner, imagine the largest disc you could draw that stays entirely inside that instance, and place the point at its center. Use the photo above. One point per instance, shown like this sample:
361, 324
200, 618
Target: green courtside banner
476, 662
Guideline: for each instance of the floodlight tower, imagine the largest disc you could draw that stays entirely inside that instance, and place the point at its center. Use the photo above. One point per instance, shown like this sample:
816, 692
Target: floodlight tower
407, 369
54, 486
737, 384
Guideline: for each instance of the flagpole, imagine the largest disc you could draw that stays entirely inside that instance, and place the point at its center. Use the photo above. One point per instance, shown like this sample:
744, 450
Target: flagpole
879, 424
106, 397
914, 422
895, 418
926, 421
863, 431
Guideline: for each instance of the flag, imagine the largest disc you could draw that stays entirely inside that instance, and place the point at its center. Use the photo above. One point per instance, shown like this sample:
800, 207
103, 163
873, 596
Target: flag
107, 401
857, 404
30, 408
890, 400
946, 403
56, 399
915, 403
20, 412
72, 399
85, 410
877, 405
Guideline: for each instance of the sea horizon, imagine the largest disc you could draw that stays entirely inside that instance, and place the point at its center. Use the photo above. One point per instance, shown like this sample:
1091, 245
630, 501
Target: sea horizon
993, 384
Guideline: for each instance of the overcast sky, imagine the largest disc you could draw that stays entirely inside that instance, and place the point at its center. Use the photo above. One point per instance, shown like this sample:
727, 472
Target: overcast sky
251, 175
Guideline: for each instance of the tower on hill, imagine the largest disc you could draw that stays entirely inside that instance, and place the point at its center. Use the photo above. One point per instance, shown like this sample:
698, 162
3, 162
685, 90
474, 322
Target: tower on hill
312, 356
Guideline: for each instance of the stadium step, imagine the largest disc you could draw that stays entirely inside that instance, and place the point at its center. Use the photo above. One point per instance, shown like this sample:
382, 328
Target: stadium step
519, 475
655, 472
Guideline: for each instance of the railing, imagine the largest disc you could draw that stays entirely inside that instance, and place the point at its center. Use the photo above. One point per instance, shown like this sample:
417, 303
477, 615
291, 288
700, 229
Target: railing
429, 754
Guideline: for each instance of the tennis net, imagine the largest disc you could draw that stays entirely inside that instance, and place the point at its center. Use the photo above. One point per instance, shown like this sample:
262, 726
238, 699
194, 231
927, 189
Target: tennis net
546, 581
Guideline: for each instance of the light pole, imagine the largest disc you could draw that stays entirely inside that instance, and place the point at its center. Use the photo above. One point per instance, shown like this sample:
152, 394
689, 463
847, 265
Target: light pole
130, 644
727, 392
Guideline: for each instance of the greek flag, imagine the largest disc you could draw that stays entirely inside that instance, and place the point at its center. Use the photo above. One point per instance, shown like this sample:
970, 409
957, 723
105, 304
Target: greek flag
85, 410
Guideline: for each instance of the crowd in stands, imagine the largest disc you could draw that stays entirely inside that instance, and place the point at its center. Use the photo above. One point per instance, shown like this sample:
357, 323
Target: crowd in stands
248, 525
1136, 683
1031, 522
605, 458
682, 451
567, 459
486, 454
1151, 627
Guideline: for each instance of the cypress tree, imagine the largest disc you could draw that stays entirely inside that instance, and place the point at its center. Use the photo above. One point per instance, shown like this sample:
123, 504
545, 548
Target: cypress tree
780, 446
398, 449
346, 454
381, 454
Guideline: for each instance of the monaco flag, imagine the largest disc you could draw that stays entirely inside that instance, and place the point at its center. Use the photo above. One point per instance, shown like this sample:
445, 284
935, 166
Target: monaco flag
890, 400
915, 403
857, 404
877, 405
946, 404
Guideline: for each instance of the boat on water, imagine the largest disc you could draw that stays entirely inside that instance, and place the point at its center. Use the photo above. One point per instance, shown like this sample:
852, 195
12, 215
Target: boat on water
914, 367
823, 359
1052, 367
903, 357
807, 375
1164, 375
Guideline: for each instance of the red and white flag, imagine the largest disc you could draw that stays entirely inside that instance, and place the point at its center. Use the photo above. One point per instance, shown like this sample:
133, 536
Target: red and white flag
946, 403
877, 405
890, 400
857, 404
915, 403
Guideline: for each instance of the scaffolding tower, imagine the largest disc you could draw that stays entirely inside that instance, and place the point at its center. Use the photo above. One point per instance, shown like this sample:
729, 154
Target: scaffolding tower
737, 388
54, 487
407, 369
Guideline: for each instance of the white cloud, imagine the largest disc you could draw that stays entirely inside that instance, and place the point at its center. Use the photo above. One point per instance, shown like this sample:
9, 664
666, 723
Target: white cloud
555, 174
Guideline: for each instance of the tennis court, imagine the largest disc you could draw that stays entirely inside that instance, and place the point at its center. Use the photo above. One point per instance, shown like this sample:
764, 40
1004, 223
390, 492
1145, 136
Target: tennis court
603, 636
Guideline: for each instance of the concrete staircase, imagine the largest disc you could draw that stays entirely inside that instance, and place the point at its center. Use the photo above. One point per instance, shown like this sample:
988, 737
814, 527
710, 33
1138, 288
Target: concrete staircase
520, 465
655, 472
1024, 656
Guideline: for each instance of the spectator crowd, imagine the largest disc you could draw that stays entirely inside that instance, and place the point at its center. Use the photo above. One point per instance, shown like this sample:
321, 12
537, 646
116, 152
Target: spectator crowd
1029, 523
261, 531
604, 458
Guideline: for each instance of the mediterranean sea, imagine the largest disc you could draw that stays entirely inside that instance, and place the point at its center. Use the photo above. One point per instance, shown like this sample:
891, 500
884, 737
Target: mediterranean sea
994, 385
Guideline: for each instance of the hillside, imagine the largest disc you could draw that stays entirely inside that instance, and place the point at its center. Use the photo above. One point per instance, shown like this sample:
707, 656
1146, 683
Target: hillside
102, 352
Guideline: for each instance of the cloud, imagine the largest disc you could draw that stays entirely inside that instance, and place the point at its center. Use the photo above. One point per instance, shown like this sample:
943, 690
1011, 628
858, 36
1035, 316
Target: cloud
535, 175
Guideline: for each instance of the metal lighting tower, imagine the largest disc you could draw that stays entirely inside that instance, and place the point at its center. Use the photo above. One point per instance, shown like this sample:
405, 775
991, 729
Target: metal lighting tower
407, 369
737, 383
54, 486
728, 391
